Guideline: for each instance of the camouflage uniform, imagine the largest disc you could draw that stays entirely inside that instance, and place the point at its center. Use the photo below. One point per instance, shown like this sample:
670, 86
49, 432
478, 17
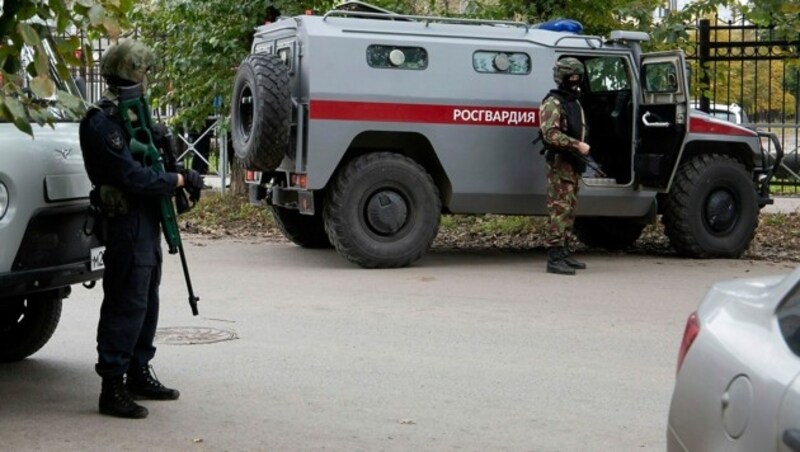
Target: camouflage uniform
562, 177
563, 130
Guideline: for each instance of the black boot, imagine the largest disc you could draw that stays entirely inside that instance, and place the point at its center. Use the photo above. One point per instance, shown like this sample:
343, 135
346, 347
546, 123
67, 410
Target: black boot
572, 262
143, 384
116, 401
556, 263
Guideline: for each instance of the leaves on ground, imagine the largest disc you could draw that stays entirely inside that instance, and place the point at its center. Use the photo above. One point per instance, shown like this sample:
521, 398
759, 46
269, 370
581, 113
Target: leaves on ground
219, 216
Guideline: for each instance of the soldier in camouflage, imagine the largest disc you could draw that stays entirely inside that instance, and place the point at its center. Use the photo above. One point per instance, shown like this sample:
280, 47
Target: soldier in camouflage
563, 132
126, 193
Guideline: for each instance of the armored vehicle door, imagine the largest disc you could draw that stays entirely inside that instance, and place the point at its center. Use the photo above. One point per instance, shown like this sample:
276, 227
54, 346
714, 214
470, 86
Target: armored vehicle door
662, 118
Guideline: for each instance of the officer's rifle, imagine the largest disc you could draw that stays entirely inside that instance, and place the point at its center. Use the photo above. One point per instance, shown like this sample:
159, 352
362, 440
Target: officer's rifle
142, 146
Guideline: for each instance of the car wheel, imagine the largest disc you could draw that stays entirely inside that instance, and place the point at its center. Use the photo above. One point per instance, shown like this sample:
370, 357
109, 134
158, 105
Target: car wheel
712, 209
307, 231
382, 211
27, 323
260, 112
609, 233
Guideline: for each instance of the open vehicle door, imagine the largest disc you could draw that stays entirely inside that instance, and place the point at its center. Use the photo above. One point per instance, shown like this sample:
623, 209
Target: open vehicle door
662, 116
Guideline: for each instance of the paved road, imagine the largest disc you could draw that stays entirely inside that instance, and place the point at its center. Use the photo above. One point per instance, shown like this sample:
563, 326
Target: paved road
464, 351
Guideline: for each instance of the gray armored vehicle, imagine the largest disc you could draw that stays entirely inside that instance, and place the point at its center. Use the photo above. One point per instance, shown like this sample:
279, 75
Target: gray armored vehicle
361, 128
44, 197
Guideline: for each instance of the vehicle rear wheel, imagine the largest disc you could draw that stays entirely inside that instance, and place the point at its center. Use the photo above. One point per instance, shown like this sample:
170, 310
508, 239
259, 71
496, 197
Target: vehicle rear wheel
27, 323
607, 232
260, 112
712, 208
382, 211
307, 231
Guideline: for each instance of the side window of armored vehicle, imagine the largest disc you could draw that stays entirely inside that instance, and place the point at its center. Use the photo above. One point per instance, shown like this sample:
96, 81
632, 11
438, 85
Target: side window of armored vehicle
607, 74
394, 57
660, 77
501, 62
285, 54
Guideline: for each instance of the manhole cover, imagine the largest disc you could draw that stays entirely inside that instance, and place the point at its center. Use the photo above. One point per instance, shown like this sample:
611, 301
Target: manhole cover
189, 335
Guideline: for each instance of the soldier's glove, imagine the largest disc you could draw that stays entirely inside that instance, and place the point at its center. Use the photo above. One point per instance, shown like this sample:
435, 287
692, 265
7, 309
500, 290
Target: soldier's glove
193, 183
182, 203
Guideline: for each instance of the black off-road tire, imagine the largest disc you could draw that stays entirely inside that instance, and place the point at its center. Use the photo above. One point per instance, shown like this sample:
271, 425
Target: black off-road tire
307, 231
261, 111
383, 211
609, 233
712, 209
27, 323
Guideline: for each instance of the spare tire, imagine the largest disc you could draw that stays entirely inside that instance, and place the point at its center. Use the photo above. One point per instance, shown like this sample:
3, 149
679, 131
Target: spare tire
260, 112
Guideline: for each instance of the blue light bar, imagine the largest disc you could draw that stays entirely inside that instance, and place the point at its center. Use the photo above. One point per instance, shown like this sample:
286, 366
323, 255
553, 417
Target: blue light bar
561, 24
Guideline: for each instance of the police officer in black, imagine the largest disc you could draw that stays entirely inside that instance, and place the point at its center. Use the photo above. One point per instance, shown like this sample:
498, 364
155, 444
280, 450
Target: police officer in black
127, 192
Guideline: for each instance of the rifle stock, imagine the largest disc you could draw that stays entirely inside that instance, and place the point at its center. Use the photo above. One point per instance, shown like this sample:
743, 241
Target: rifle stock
142, 146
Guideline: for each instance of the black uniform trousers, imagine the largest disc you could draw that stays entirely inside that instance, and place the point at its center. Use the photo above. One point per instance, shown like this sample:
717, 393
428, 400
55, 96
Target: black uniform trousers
129, 314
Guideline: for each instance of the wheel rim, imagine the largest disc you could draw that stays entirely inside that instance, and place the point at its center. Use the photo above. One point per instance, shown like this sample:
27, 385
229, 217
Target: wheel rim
721, 211
246, 112
386, 212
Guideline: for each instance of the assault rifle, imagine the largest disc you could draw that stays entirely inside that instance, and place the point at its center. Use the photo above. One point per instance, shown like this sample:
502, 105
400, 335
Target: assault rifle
142, 146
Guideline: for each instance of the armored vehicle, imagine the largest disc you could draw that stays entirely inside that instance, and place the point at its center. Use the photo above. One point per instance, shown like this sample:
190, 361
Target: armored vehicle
44, 198
361, 128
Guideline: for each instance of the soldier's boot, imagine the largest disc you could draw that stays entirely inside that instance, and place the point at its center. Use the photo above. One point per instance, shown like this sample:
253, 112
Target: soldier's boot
116, 401
143, 385
556, 263
572, 262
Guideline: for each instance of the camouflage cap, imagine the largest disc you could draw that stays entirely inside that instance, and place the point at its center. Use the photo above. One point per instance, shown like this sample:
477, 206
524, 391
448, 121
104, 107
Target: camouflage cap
566, 67
128, 60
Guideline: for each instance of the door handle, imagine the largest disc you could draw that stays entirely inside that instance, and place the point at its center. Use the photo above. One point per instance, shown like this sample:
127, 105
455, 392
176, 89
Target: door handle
647, 115
791, 437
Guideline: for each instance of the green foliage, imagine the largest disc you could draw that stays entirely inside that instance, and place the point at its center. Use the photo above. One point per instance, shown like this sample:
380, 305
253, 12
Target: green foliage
29, 87
219, 214
200, 44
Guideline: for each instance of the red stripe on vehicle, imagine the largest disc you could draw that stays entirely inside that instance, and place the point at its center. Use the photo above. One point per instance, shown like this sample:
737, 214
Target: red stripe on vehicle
424, 113
717, 127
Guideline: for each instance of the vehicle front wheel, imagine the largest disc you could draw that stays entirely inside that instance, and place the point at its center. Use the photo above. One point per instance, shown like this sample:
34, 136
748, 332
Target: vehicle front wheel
382, 211
27, 323
712, 208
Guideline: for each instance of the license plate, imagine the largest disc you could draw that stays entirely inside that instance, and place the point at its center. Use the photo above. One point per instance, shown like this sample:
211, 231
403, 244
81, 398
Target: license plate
97, 258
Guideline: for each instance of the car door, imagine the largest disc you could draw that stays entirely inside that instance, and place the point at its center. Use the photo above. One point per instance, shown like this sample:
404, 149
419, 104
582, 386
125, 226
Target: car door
662, 118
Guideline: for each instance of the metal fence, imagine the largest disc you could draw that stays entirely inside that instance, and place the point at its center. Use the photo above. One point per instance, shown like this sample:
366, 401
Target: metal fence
737, 66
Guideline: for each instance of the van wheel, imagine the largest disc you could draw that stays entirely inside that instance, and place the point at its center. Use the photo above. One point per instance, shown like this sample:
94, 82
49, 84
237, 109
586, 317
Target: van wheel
27, 323
382, 211
307, 231
712, 210
609, 233
260, 112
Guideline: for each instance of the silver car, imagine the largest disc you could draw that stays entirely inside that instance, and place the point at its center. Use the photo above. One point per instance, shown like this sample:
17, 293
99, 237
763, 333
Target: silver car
737, 386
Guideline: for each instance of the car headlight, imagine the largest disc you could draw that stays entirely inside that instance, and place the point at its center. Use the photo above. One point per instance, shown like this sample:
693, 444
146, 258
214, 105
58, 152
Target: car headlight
3, 200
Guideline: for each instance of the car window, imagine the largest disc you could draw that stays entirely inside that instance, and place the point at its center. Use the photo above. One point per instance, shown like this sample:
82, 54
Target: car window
607, 74
789, 320
396, 57
501, 62
660, 77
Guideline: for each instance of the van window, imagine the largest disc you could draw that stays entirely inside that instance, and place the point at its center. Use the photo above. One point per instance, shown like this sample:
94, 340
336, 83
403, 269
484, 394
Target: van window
607, 74
501, 62
395, 57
